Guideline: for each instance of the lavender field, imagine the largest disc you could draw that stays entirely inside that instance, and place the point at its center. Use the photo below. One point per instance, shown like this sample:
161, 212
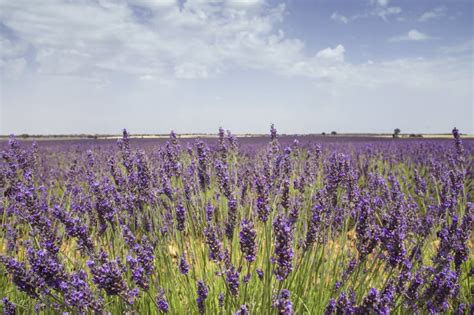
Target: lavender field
227, 225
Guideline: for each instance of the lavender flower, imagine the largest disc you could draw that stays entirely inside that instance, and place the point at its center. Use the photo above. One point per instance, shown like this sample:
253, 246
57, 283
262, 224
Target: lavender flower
248, 244
283, 303
203, 172
313, 226
215, 246
345, 304
107, 275
243, 310
162, 302
9, 308
458, 143
183, 265
223, 178
331, 307
232, 217
209, 212
26, 280
263, 209
180, 217
138, 273
202, 292
377, 303
247, 278
442, 288
80, 296
366, 230
283, 248
232, 278
285, 194
220, 299
48, 268
273, 132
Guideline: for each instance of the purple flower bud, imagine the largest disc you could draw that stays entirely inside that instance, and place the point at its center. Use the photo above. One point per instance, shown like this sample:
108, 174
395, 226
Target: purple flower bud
283, 303
162, 302
220, 299
209, 212
248, 244
180, 216
183, 265
202, 292
232, 217
243, 310
273, 132
247, 278
232, 277
215, 246
283, 248
8, 307
107, 275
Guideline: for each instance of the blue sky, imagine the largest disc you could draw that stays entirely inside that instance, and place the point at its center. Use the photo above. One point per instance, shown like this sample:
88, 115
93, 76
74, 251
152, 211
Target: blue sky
308, 66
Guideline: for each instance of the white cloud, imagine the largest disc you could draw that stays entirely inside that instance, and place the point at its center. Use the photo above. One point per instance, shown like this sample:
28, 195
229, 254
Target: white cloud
433, 14
199, 40
248, 3
12, 61
416, 35
333, 55
379, 9
150, 38
412, 35
339, 18
383, 12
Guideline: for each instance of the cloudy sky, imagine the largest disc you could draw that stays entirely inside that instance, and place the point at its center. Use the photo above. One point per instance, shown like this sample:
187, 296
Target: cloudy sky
97, 66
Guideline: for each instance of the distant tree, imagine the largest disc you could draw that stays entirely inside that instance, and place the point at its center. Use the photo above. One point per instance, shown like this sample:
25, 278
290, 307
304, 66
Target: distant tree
323, 133
333, 133
396, 133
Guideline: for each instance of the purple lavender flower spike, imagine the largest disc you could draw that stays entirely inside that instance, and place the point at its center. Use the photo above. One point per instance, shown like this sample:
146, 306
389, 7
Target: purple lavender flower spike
79, 294
9, 308
283, 256
209, 212
26, 280
232, 277
162, 302
273, 133
107, 275
248, 236
232, 217
215, 246
244, 310
183, 265
180, 217
220, 299
202, 292
283, 303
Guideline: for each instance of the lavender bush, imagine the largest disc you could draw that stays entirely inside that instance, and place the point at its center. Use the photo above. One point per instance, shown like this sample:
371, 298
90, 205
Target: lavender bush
237, 226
